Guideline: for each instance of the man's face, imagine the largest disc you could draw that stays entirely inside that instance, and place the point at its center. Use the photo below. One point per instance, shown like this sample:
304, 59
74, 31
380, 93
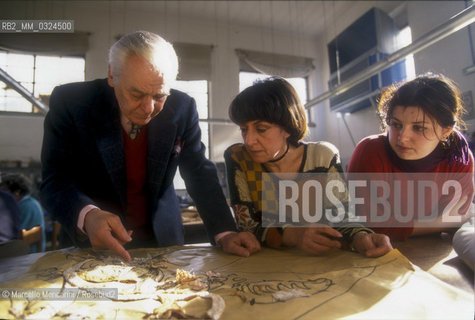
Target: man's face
264, 141
140, 90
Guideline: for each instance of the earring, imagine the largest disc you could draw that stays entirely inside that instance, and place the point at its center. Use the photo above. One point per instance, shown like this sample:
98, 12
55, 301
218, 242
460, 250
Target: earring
445, 141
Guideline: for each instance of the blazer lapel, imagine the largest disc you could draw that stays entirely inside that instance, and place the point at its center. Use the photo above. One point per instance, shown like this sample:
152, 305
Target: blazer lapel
111, 148
110, 144
160, 143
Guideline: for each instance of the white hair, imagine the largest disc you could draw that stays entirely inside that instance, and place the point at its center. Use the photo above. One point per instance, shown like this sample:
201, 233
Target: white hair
153, 48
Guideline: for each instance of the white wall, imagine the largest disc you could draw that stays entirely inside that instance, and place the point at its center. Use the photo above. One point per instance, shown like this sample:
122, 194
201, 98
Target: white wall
449, 56
21, 138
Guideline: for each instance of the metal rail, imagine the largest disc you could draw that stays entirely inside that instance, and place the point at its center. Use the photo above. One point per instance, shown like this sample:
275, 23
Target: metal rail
15, 85
457, 22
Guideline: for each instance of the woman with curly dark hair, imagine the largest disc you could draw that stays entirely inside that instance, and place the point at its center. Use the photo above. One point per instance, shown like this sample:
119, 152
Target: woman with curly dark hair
422, 156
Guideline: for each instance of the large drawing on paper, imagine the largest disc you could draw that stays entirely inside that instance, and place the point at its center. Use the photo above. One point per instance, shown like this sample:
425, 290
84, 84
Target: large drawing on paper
204, 282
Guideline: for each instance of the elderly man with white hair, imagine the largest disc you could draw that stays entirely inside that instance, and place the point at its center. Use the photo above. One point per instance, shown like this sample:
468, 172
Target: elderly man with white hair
112, 146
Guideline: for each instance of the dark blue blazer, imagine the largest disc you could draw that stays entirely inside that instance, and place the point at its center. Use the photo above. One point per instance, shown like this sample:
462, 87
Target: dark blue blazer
83, 162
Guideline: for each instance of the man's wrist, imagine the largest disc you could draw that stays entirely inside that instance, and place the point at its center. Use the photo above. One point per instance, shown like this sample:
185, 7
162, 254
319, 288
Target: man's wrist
221, 235
82, 217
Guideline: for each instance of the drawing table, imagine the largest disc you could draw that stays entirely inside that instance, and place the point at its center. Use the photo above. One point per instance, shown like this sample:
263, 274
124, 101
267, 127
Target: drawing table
287, 284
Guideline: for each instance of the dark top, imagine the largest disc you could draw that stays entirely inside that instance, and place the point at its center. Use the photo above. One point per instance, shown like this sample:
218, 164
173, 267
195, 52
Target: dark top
9, 217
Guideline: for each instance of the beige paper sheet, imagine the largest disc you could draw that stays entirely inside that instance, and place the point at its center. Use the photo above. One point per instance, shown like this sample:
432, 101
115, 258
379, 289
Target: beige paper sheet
272, 284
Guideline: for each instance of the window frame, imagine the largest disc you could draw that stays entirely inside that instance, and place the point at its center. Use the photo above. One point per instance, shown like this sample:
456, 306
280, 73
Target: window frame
34, 82
263, 76
178, 181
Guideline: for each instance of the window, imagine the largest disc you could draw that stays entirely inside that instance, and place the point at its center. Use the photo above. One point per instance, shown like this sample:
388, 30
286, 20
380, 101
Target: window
246, 79
404, 38
198, 89
38, 74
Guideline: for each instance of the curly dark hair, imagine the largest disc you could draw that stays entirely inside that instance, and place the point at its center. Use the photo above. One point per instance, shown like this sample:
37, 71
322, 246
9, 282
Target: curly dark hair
436, 95
15, 183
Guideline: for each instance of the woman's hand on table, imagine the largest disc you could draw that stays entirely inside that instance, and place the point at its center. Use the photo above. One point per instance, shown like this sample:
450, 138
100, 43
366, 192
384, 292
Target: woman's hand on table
372, 244
240, 243
316, 239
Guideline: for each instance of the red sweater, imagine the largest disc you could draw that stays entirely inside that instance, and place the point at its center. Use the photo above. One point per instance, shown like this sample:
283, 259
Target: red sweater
135, 158
372, 156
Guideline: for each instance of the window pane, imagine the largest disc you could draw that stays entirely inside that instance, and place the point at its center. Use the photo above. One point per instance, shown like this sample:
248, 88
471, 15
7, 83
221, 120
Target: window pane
404, 38
300, 85
19, 66
49, 71
10, 100
3, 59
20, 74
204, 126
12, 93
202, 104
15, 104
20, 60
178, 181
53, 71
246, 79
44, 88
197, 89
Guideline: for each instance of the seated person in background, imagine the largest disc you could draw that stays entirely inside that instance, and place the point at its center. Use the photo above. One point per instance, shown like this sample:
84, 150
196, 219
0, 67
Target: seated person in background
31, 213
9, 217
112, 146
421, 147
10, 245
273, 123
